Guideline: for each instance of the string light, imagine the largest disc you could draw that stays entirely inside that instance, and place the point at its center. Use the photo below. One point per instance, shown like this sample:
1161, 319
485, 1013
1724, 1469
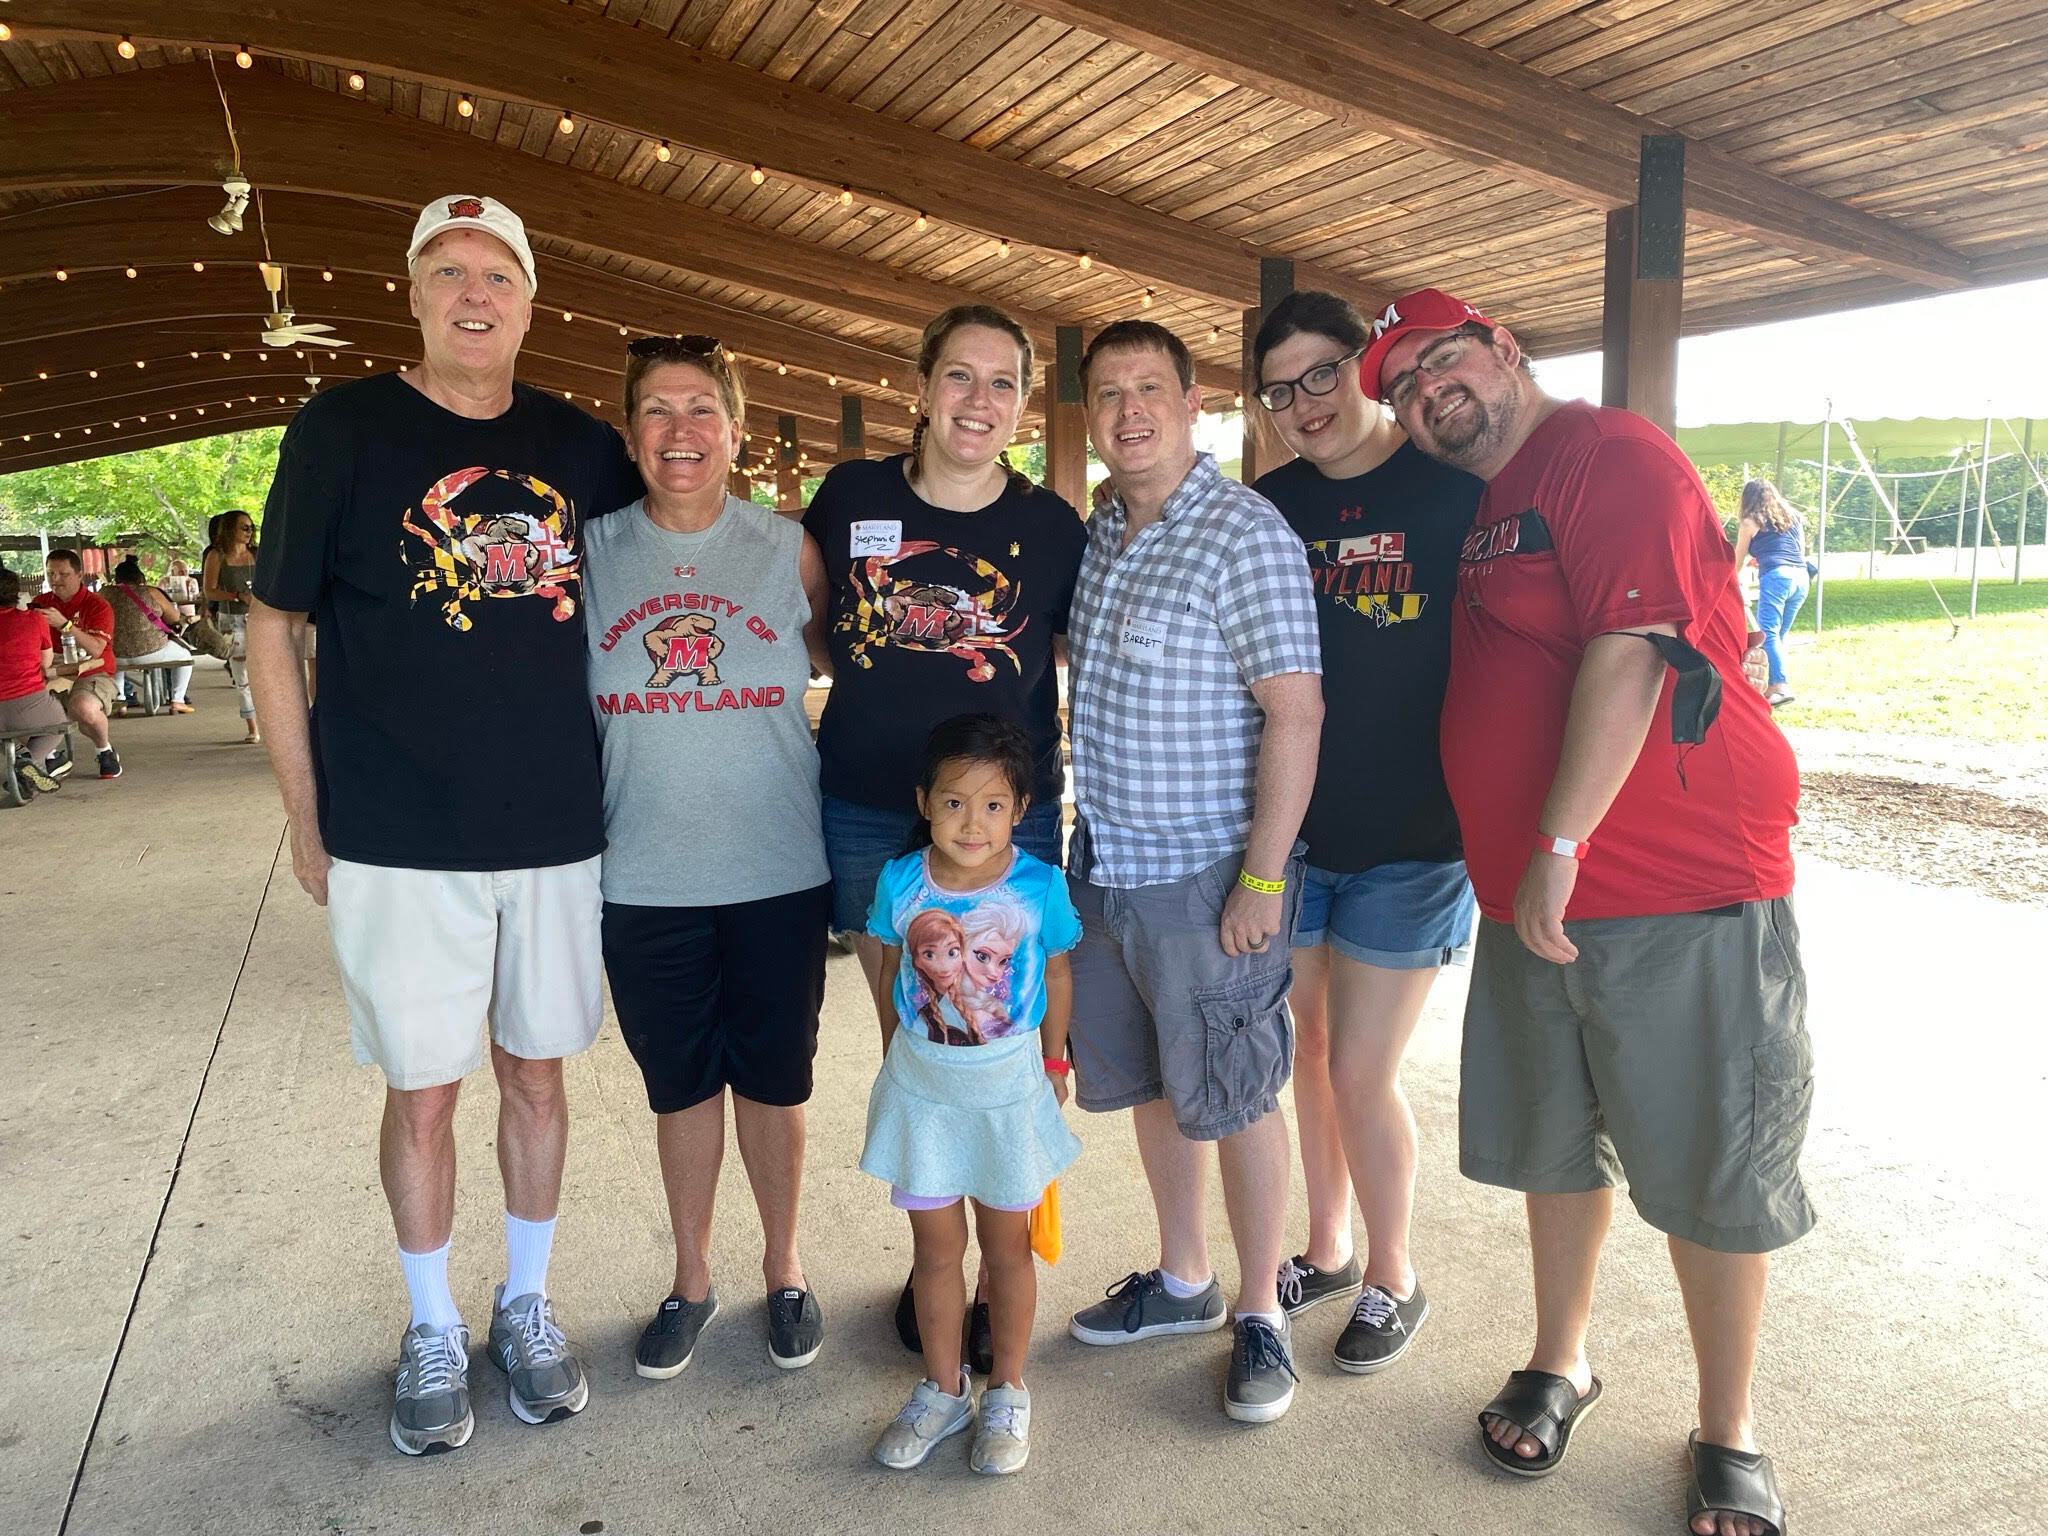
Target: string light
131, 271
125, 47
663, 153
782, 368
464, 106
366, 363
140, 363
198, 266
1238, 400
326, 276
195, 357
922, 224
885, 381
568, 315
41, 374
1145, 299
1087, 261
7, 35
846, 197
355, 81
244, 59
92, 373
757, 176
262, 357
227, 357
1215, 333
567, 124
624, 332
1002, 247
389, 286
832, 379
63, 276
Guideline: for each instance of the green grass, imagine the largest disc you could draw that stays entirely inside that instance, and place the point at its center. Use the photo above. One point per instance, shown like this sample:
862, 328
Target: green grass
1885, 662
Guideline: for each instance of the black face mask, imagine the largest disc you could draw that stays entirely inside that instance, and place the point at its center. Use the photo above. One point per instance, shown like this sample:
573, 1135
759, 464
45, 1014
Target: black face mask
1696, 700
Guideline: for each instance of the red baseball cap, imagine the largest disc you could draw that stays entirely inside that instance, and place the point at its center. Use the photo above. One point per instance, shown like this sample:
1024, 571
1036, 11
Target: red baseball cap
1426, 309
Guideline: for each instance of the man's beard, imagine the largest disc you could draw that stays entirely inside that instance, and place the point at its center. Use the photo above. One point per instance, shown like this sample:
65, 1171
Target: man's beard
1468, 436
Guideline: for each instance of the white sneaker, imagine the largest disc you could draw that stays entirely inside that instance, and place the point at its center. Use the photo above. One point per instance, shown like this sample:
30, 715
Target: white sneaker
1002, 1444
929, 1417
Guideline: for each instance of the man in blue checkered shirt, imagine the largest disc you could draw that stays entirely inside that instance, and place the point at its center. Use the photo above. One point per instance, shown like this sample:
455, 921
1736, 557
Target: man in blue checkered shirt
1197, 706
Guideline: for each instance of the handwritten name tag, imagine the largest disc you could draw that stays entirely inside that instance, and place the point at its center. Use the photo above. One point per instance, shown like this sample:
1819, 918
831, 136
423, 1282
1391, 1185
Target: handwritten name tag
1143, 640
876, 537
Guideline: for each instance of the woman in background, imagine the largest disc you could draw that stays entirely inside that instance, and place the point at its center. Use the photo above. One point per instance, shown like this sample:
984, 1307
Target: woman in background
224, 583
1772, 533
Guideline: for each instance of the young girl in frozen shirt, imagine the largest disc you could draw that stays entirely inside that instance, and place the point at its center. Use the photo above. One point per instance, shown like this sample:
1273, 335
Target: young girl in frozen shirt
958, 1114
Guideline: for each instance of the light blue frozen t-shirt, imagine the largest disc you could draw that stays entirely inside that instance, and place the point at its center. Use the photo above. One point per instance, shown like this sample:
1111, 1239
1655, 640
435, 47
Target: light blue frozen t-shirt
973, 967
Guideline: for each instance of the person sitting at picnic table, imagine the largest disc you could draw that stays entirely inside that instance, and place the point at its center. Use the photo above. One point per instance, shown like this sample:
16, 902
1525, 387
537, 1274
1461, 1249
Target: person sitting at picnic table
145, 632
26, 661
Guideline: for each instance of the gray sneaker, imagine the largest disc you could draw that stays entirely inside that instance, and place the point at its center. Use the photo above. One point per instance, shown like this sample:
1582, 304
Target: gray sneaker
1139, 1306
431, 1412
1261, 1381
667, 1343
544, 1381
929, 1417
1002, 1443
1380, 1330
1302, 1285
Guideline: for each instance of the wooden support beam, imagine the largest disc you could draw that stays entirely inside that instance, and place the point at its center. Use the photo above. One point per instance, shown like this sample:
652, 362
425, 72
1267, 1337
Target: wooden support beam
1379, 69
1617, 287
789, 488
546, 55
1066, 422
852, 432
1657, 300
1263, 449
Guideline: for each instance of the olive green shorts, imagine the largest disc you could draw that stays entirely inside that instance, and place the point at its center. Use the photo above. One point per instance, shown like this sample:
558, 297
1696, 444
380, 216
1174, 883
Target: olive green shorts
1672, 1053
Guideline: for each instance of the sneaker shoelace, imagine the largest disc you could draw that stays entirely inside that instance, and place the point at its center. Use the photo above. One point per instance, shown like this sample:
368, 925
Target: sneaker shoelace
545, 1343
438, 1363
1375, 1308
918, 1410
1291, 1276
998, 1418
1132, 1291
1263, 1349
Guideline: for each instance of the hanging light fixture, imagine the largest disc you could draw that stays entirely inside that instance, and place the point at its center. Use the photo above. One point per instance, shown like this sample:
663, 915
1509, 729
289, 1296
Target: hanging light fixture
229, 220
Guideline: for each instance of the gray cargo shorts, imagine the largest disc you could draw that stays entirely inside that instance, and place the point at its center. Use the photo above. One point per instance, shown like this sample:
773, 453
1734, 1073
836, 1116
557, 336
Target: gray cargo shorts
1673, 1052
1161, 1012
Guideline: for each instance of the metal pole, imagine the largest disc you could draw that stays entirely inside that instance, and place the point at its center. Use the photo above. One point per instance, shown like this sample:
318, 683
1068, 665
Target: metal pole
1778, 464
2019, 545
1820, 556
1983, 497
1963, 503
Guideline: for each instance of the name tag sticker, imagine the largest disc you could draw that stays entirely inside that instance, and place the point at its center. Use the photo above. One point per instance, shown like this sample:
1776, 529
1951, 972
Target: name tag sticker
876, 537
1143, 640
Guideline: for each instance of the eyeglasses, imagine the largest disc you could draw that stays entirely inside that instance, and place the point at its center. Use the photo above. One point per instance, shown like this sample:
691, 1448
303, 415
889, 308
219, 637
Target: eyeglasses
691, 349
1319, 380
1436, 360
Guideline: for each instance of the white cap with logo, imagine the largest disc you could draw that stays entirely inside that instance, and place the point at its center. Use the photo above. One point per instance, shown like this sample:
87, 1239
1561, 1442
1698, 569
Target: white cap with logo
469, 212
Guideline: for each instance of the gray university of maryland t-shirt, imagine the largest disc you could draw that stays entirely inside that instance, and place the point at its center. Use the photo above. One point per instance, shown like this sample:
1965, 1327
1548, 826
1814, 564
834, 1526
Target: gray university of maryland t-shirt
697, 676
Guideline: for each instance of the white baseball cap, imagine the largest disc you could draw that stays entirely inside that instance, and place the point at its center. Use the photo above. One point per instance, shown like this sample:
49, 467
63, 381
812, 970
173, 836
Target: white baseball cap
467, 211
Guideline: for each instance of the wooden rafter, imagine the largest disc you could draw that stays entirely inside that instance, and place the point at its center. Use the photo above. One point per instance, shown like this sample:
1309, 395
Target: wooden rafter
1377, 68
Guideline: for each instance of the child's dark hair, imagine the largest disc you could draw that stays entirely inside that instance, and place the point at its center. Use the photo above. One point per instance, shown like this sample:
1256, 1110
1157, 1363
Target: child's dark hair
975, 739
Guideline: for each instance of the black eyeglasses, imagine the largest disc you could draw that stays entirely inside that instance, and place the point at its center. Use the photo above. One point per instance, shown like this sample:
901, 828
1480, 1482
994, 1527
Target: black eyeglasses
1319, 380
695, 349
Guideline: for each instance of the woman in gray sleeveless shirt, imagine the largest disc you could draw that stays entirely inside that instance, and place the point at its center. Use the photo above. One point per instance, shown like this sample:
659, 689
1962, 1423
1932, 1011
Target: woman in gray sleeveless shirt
702, 611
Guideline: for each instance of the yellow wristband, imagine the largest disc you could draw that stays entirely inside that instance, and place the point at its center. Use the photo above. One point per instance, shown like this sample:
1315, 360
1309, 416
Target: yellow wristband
1252, 882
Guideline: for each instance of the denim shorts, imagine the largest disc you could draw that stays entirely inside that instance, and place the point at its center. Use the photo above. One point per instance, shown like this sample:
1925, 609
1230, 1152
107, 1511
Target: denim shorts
860, 839
1401, 917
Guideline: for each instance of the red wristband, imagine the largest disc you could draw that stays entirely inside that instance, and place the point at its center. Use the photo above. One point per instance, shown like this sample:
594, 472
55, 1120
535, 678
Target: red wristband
1058, 1065
1563, 847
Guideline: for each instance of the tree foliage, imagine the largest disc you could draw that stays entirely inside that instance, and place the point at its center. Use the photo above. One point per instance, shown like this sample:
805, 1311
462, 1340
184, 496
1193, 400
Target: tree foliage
165, 493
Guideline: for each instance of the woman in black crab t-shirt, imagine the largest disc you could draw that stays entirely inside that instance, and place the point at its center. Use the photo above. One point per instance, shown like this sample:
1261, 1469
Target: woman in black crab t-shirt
950, 575
1385, 902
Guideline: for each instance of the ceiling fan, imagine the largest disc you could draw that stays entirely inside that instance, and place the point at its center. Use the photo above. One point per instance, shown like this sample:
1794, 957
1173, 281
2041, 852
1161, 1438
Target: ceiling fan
281, 328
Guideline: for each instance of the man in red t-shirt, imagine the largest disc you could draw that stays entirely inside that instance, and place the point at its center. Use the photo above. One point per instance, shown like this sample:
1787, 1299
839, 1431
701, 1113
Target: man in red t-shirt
88, 619
1637, 1006
25, 702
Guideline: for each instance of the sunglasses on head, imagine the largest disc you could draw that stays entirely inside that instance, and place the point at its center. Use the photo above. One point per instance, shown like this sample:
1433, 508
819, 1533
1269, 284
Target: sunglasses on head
696, 349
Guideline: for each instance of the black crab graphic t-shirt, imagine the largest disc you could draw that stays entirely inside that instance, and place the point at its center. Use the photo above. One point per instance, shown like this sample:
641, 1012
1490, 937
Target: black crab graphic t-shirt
441, 558
936, 614
1383, 554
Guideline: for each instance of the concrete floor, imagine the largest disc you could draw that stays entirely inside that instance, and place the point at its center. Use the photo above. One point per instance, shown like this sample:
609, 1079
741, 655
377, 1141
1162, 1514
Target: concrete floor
208, 1306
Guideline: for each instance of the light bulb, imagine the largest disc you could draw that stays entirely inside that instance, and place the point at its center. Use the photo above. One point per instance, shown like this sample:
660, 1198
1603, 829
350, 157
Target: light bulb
465, 107
568, 315
390, 287
757, 176
845, 197
92, 373
140, 363
782, 368
1002, 247
922, 224
125, 47
227, 357
63, 276
1145, 299
1087, 261
198, 266
244, 59
355, 81
326, 277
663, 153
1238, 400
131, 271
41, 374
832, 379
567, 124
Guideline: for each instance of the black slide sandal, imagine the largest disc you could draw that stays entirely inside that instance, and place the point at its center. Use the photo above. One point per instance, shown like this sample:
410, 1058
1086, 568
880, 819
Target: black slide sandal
1547, 1407
1731, 1482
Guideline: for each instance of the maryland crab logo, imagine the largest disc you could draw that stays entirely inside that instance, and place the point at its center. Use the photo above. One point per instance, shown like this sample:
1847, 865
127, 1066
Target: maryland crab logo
495, 551
465, 207
922, 615
687, 643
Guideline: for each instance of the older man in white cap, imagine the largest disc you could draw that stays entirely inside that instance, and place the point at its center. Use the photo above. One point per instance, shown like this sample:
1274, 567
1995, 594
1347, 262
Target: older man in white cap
444, 798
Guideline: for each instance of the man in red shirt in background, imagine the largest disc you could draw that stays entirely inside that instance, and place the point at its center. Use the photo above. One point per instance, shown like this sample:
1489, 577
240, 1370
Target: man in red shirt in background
89, 620
1637, 1006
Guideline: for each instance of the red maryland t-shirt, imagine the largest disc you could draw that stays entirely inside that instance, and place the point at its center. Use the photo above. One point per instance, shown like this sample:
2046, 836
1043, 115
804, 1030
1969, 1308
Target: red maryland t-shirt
1599, 523
87, 610
24, 637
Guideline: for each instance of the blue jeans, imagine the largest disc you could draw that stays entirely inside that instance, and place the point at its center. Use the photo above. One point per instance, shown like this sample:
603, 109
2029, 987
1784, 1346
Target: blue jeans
1780, 592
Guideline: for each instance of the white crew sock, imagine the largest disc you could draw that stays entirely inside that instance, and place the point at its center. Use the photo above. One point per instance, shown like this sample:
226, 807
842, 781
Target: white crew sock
1181, 1289
1277, 1321
426, 1281
527, 1246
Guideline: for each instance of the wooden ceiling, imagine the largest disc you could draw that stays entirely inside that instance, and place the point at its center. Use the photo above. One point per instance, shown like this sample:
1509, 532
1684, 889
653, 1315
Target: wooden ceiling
811, 182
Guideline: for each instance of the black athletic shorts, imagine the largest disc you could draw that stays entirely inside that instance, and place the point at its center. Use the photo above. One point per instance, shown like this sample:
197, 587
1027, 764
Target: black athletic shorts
711, 998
